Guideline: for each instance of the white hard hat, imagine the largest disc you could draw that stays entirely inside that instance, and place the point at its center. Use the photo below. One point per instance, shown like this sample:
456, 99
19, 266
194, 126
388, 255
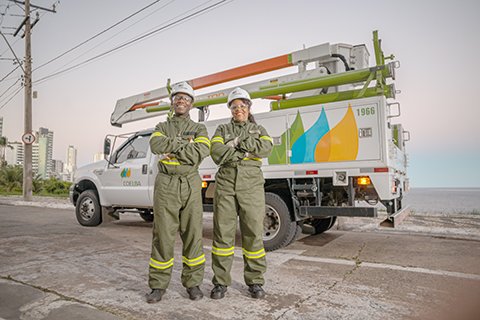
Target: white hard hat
182, 87
238, 93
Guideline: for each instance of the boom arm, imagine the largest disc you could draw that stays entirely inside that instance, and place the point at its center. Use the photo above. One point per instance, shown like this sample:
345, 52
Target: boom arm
303, 84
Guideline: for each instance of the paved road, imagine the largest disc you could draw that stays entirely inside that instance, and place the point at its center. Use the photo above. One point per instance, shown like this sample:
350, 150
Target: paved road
53, 268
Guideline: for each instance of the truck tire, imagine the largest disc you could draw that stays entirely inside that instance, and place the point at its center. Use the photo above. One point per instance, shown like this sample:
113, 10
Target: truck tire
279, 229
322, 225
88, 209
146, 215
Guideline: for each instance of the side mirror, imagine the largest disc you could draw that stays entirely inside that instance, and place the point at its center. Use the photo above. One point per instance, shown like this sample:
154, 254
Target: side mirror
106, 146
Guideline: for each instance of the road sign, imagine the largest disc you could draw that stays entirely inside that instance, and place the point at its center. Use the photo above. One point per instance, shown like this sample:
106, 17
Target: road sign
28, 138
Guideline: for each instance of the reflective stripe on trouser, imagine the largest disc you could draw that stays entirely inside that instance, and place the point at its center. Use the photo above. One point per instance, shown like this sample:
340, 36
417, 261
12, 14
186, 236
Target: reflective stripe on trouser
234, 196
171, 194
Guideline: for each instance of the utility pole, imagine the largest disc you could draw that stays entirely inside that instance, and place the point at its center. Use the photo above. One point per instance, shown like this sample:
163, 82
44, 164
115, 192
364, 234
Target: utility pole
27, 160
28, 138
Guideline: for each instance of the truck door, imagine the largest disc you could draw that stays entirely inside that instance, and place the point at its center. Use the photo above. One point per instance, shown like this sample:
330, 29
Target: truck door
126, 183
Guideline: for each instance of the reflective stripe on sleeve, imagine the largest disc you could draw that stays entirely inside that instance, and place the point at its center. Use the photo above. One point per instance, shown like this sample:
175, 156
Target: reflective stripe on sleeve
195, 261
222, 251
203, 140
218, 139
253, 254
157, 134
267, 138
256, 159
170, 162
161, 265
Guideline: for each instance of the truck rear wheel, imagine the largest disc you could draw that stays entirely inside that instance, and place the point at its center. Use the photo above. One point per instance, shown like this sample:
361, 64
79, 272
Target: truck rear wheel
88, 210
279, 229
322, 225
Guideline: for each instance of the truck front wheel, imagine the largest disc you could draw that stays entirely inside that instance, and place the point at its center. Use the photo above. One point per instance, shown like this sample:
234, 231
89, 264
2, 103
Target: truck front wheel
88, 210
279, 229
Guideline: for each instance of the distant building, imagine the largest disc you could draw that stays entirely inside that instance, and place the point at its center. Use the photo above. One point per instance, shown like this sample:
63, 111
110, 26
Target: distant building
98, 156
71, 163
57, 169
45, 151
16, 154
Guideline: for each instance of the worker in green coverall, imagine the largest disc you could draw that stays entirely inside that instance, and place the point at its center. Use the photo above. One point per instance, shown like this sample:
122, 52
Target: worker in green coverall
237, 148
177, 206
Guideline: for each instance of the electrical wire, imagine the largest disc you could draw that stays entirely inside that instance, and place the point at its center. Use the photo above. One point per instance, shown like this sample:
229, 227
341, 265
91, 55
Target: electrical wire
9, 73
4, 92
128, 43
142, 37
13, 43
97, 35
11, 46
11, 49
4, 13
13, 96
78, 57
41, 15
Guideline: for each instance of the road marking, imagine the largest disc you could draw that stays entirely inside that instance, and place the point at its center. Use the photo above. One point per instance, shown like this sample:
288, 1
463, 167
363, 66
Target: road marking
324, 260
278, 258
387, 266
422, 270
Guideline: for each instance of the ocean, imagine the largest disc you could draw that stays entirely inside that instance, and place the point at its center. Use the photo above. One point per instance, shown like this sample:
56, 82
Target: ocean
444, 200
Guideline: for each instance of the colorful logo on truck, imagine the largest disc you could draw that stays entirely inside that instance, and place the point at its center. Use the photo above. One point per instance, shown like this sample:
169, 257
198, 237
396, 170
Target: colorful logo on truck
125, 173
319, 143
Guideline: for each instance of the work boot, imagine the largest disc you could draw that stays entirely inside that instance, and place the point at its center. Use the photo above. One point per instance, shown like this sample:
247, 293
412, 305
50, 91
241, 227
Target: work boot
256, 291
218, 292
155, 295
195, 293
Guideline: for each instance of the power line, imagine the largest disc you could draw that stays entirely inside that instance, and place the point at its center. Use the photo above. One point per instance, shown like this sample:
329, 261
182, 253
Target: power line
11, 49
197, 13
9, 73
120, 31
84, 42
98, 34
4, 13
142, 37
4, 92
3, 105
18, 61
41, 15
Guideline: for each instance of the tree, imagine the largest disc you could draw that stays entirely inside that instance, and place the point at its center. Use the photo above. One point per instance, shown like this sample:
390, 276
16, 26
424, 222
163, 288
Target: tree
37, 184
3, 145
11, 178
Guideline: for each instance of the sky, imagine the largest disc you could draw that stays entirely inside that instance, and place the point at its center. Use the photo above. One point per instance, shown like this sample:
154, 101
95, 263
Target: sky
436, 42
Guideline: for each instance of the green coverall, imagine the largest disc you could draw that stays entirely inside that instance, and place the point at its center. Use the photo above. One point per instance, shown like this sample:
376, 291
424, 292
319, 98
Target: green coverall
182, 144
239, 190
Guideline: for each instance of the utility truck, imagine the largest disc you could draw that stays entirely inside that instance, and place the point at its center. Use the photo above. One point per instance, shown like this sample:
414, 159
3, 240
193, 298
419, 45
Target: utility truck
336, 149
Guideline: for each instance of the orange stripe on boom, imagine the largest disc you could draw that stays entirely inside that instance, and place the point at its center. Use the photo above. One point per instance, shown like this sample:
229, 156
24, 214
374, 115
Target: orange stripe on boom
241, 72
277, 98
141, 106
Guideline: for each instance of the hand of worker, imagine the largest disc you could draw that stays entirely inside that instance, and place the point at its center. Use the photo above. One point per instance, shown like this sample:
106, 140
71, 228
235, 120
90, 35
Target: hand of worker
250, 155
167, 156
233, 143
188, 139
